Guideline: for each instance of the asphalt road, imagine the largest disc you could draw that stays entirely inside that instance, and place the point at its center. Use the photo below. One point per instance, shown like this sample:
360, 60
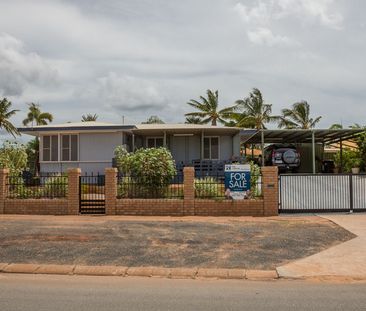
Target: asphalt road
46, 292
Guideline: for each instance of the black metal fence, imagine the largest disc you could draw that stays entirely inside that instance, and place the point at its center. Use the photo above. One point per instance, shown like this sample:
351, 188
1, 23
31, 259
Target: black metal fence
211, 185
134, 187
301, 193
46, 185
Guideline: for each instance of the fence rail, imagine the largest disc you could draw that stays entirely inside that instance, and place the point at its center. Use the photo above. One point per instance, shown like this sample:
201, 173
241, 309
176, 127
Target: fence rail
48, 185
135, 187
322, 192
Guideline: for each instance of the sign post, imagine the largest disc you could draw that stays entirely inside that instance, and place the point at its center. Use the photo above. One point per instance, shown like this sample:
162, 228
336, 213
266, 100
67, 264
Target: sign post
237, 181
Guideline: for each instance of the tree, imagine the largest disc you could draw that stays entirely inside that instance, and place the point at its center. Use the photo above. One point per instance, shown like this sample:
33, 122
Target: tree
153, 120
5, 114
13, 156
35, 116
298, 117
193, 120
208, 109
336, 126
89, 117
252, 111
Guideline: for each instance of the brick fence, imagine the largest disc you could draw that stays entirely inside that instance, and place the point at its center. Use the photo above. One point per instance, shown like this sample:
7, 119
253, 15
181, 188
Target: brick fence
267, 205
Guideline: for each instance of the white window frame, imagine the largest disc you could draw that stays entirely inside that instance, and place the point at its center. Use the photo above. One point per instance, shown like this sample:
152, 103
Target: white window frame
154, 137
210, 148
41, 137
61, 148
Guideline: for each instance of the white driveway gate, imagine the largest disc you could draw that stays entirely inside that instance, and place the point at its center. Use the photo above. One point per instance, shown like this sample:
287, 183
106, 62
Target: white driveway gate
322, 193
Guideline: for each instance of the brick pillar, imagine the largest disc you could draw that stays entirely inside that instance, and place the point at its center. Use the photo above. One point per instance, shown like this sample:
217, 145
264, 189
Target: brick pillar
270, 190
73, 191
188, 191
110, 190
4, 172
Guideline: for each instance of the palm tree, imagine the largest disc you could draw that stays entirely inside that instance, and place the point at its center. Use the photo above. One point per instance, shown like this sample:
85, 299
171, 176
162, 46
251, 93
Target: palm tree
208, 109
255, 113
298, 117
36, 116
89, 117
336, 126
5, 115
193, 120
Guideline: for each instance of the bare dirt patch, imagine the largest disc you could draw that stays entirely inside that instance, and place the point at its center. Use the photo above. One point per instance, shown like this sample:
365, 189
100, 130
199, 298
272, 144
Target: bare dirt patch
217, 243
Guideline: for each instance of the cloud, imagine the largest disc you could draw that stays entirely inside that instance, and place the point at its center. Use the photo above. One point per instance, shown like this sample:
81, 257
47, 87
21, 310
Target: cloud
125, 93
20, 68
319, 9
262, 18
264, 36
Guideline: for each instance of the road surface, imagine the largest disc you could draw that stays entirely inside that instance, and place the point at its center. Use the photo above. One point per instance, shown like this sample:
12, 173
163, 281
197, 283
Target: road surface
47, 292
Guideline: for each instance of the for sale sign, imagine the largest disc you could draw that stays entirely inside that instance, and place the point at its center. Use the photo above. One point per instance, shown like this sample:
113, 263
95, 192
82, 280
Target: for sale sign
237, 180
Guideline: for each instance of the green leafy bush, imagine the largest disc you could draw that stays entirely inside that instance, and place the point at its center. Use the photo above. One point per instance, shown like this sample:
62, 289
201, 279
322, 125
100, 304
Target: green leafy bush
350, 159
13, 156
151, 170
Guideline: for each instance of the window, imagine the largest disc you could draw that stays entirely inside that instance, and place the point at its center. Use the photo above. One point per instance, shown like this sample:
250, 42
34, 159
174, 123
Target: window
69, 148
155, 142
211, 148
50, 148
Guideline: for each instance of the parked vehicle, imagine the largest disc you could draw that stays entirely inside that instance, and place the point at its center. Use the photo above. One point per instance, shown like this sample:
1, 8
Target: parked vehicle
285, 157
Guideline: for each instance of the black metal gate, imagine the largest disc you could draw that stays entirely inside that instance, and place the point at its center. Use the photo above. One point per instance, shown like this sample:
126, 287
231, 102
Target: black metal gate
92, 194
302, 193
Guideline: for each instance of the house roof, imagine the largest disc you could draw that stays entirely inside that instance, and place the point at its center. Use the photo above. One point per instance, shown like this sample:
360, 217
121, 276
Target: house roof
298, 135
75, 126
182, 128
144, 129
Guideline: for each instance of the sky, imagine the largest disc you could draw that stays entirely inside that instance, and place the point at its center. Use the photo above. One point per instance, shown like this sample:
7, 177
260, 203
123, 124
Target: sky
136, 58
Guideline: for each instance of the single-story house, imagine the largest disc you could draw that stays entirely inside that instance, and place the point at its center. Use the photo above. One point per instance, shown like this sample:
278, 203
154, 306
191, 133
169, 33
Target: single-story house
90, 145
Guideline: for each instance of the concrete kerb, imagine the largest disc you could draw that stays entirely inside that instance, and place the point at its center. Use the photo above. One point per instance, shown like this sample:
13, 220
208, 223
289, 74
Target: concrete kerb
173, 273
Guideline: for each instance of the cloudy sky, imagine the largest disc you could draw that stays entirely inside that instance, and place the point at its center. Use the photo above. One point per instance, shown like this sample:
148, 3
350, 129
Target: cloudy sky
136, 58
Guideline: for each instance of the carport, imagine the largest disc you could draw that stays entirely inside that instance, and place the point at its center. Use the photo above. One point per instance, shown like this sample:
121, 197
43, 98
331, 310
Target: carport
299, 136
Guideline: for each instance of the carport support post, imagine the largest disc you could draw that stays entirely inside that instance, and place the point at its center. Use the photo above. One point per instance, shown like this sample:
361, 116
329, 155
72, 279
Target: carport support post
73, 196
110, 190
313, 150
4, 172
341, 155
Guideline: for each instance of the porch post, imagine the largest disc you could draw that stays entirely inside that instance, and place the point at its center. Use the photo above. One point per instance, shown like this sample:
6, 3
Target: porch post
164, 143
133, 142
313, 150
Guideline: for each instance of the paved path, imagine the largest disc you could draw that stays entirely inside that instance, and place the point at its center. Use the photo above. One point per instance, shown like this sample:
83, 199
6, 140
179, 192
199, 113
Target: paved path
344, 260
62, 293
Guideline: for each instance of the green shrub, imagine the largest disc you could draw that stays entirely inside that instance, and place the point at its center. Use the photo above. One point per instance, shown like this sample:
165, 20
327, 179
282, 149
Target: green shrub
151, 170
13, 156
208, 187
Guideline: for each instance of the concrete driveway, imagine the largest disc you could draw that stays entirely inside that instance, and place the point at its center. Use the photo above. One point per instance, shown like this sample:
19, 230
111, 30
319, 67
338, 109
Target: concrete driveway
344, 260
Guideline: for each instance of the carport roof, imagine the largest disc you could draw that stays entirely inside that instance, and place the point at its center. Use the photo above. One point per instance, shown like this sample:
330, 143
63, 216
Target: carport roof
297, 135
